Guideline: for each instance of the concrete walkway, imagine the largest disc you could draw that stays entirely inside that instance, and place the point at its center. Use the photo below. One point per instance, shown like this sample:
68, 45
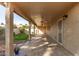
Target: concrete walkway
42, 46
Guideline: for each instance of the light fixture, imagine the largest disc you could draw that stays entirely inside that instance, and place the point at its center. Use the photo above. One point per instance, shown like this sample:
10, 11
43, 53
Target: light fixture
65, 16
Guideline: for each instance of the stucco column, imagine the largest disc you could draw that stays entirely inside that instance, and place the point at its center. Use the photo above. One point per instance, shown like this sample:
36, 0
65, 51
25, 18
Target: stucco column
9, 30
30, 30
46, 28
34, 30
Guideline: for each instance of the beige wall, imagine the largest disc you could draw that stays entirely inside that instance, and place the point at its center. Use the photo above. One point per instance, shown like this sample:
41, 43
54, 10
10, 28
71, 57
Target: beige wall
71, 31
52, 32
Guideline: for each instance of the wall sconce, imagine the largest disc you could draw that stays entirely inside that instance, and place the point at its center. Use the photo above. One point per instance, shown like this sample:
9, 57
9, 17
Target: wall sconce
65, 16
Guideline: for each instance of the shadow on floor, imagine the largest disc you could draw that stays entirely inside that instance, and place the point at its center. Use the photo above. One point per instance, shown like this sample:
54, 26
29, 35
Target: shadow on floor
44, 46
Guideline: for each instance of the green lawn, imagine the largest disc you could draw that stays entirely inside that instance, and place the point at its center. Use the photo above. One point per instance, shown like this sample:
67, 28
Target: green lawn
20, 37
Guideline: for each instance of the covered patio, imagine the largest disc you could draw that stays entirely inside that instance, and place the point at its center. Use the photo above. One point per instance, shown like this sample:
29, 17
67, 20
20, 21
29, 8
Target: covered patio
43, 16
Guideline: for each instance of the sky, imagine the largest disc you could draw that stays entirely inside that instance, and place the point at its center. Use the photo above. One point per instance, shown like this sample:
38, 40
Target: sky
17, 18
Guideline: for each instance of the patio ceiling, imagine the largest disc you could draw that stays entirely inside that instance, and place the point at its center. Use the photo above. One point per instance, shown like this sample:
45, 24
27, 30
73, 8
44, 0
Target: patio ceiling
42, 12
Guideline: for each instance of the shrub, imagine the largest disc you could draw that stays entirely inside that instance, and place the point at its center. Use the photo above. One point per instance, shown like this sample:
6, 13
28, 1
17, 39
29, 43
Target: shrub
1, 30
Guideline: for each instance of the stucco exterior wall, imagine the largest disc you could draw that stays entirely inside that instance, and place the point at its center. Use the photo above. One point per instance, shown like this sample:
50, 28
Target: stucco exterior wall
52, 32
71, 31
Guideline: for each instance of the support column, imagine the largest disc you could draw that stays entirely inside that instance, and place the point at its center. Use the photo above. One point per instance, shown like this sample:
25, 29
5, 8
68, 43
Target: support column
9, 31
30, 30
34, 30
46, 28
